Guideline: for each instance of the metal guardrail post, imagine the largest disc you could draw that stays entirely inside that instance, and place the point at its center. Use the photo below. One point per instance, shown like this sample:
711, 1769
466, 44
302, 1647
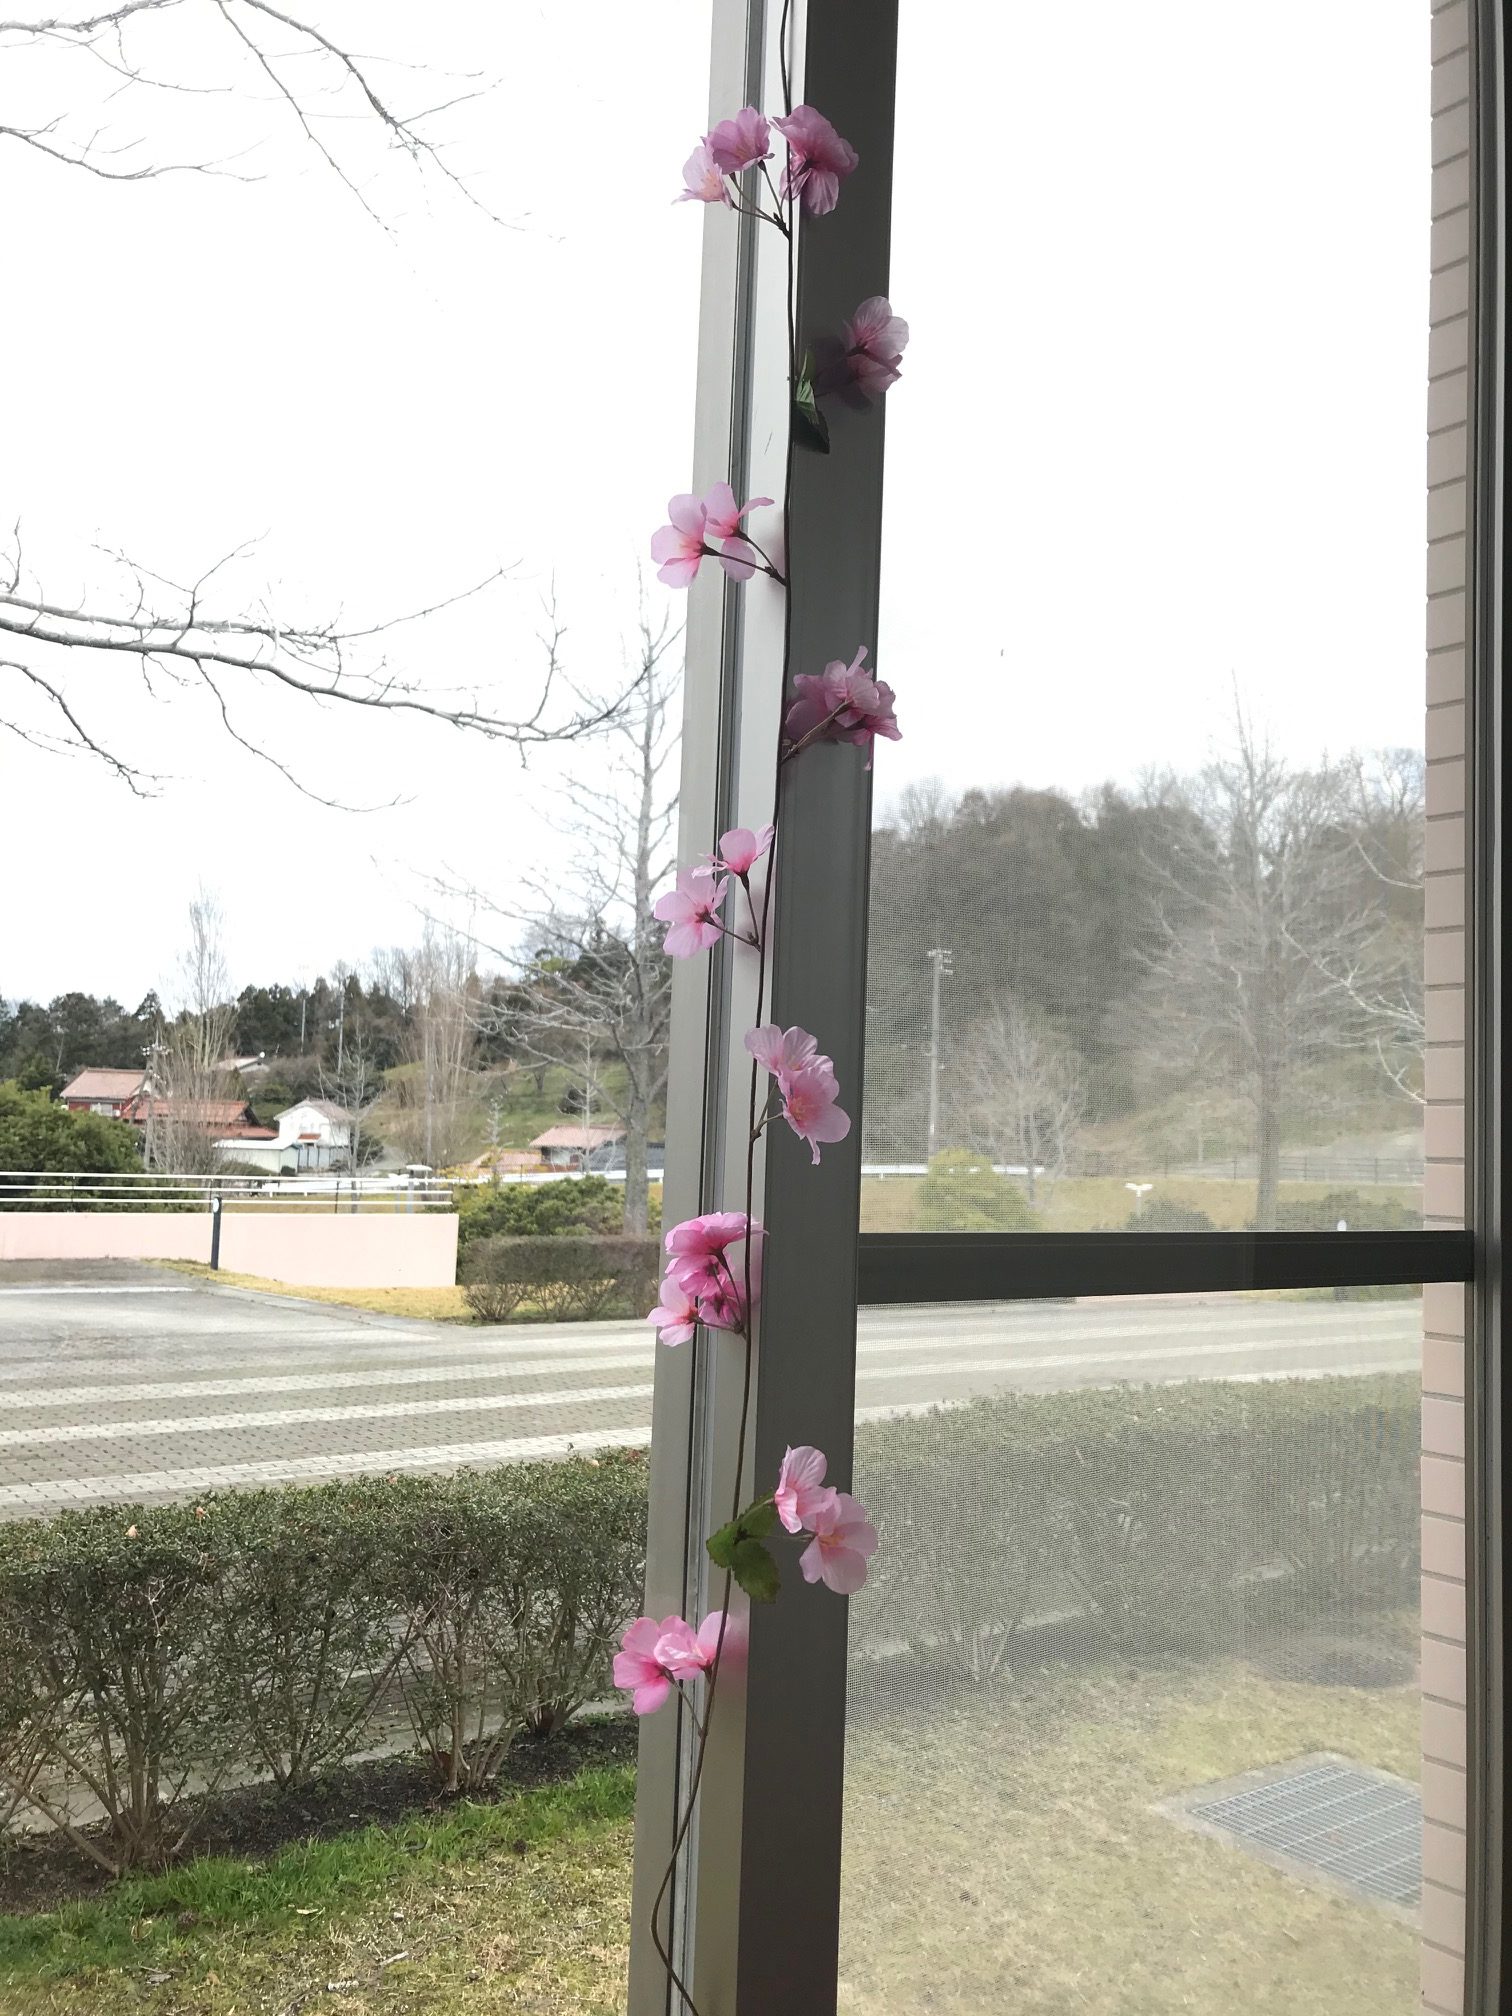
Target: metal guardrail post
215, 1232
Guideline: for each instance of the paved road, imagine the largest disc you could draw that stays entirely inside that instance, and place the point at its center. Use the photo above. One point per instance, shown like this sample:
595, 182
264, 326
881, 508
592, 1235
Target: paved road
117, 1382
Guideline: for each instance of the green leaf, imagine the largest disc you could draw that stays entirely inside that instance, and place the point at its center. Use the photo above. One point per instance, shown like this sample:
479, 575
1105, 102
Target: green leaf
739, 1548
810, 423
756, 1571
759, 1519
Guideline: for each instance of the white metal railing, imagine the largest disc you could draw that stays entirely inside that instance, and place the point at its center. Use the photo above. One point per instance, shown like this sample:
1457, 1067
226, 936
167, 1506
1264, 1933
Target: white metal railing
148, 1190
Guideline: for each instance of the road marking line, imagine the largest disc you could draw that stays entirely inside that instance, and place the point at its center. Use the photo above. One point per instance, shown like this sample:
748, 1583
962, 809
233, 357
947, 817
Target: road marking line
230, 1424
307, 1382
117, 1288
378, 1462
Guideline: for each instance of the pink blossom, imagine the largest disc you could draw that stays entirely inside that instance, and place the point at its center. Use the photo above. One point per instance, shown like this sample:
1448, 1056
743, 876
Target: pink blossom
740, 142
640, 1667
698, 1247
702, 1238
844, 1540
722, 1303
802, 1494
655, 1655
842, 704
696, 1653
874, 340
679, 546
809, 1105
690, 912
783, 1052
818, 159
740, 849
737, 555
676, 1315
703, 177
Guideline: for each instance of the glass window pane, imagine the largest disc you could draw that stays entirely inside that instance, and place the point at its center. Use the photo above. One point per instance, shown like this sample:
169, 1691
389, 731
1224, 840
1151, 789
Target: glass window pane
1146, 937
1133, 1703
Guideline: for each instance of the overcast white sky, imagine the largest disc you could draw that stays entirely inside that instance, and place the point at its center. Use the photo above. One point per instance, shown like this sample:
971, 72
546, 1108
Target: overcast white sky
1161, 426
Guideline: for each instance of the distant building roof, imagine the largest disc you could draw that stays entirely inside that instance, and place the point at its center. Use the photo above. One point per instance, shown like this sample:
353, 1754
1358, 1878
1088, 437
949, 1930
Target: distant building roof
326, 1106
98, 1083
230, 1119
504, 1158
578, 1137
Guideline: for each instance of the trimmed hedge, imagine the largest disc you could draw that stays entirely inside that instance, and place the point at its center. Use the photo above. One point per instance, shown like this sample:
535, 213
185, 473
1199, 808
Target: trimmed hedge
569, 1278
1163, 1517
140, 1645
291, 1629
539, 1210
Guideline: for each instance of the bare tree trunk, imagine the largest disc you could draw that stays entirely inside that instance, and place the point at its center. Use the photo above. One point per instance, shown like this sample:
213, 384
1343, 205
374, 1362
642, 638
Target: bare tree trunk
637, 1180
1268, 1119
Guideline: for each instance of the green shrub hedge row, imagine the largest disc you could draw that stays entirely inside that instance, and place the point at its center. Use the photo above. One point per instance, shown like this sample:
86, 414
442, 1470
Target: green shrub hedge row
568, 1277
146, 1651
149, 1651
1161, 1515
542, 1210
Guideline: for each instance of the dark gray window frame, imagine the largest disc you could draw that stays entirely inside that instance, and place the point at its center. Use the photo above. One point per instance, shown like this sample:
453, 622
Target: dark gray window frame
756, 1928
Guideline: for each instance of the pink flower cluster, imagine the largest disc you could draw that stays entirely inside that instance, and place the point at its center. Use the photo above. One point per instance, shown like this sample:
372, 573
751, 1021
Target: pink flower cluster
873, 342
691, 910
656, 1657
818, 159
700, 1285
805, 1080
842, 704
705, 528
843, 1538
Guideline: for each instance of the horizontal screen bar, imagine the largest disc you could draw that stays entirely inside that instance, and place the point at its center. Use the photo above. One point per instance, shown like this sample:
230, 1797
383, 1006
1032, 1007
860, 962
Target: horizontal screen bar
1012, 1266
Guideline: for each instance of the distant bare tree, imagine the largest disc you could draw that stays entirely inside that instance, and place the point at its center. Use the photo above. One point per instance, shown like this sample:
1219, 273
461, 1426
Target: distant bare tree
1261, 905
436, 1095
356, 1087
190, 1077
1378, 970
594, 995
1017, 1091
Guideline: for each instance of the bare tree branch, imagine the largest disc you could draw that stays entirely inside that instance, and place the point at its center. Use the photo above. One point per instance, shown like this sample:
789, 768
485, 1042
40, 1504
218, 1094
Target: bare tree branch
167, 627
105, 37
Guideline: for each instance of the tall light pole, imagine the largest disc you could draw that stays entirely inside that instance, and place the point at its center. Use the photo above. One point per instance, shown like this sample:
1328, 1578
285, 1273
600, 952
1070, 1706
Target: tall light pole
939, 959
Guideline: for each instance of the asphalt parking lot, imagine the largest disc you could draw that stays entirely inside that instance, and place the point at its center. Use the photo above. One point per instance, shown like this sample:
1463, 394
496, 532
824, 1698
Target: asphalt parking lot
120, 1381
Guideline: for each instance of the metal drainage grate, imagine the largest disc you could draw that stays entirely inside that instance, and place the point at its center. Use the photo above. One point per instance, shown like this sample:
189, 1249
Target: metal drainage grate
1321, 1817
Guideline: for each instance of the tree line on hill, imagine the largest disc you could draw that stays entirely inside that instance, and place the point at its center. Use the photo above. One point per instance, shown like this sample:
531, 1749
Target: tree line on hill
1249, 936
1245, 940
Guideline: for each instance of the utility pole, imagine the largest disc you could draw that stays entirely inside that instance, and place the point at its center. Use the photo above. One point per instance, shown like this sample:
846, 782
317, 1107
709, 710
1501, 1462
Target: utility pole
939, 960
339, 1025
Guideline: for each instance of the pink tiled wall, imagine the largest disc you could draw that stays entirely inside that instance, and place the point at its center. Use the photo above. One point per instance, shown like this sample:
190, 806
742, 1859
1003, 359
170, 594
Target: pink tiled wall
1443, 1617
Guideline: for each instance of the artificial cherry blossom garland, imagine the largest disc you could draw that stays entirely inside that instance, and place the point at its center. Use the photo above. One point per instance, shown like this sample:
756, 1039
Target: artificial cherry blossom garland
845, 703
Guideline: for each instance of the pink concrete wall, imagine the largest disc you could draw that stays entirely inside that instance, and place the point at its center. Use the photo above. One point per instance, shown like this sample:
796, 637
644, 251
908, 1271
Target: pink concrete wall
104, 1235
302, 1249
369, 1249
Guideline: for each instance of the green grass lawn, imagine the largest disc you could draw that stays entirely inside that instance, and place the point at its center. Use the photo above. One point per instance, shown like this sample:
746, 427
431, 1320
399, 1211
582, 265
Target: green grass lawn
519, 1906
1003, 1853
1006, 1854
